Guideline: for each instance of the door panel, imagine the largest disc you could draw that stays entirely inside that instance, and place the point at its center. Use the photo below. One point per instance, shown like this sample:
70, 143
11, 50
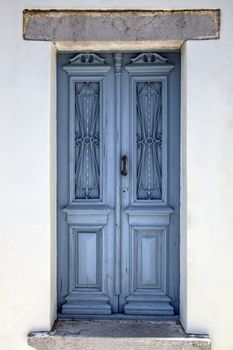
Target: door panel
88, 154
146, 211
88, 267
148, 140
148, 264
86, 207
118, 217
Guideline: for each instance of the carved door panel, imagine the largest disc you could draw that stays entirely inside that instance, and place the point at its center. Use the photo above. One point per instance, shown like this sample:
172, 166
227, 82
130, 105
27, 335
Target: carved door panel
118, 184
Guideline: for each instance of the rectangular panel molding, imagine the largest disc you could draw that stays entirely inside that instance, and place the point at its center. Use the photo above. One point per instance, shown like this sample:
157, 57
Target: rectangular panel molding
86, 294
149, 140
87, 86
88, 138
148, 261
148, 258
87, 249
148, 290
85, 257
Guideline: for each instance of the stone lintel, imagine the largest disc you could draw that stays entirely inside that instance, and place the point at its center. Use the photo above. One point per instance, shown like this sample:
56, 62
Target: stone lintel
121, 25
117, 335
117, 45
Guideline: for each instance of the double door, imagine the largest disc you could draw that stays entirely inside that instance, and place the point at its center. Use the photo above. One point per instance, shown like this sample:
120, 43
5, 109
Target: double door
118, 184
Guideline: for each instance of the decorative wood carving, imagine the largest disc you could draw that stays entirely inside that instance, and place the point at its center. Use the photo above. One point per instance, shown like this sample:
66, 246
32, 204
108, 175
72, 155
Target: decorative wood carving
149, 57
118, 62
87, 58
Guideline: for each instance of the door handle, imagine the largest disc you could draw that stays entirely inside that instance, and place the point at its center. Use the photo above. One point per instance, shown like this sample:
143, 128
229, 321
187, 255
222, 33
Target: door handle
124, 161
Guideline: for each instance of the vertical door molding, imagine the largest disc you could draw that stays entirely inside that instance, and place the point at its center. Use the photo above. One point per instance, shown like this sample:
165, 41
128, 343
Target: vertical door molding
118, 110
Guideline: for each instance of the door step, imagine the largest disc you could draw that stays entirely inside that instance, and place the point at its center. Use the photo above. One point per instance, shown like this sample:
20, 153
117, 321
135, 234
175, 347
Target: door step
118, 335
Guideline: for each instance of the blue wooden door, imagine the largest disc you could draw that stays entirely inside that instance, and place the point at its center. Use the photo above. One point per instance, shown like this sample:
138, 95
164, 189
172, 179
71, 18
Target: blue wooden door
118, 184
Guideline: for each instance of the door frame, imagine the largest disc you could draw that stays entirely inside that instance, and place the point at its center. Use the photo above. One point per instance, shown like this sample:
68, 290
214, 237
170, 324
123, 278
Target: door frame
118, 111
186, 85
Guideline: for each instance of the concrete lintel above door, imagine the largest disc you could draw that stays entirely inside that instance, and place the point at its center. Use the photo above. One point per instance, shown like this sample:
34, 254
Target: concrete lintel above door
78, 29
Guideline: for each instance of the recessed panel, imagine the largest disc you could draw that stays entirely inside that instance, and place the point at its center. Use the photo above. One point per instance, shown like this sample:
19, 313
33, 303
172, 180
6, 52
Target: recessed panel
87, 246
149, 140
87, 140
149, 252
147, 276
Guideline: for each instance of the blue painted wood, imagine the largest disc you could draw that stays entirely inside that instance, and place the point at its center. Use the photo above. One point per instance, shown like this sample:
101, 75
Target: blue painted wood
145, 201
118, 110
85, 233
118, 236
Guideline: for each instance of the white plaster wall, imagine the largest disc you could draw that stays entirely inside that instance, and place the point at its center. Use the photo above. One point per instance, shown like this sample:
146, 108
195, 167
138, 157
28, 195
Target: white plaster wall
27, 176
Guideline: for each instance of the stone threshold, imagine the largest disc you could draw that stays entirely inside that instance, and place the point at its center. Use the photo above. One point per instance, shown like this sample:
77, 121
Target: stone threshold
119, 316
118, 335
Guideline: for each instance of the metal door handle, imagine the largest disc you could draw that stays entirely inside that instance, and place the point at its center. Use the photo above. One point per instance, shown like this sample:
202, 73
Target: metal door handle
124, 161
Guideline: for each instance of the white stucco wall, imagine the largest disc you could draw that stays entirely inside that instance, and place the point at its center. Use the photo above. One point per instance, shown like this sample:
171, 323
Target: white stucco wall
27, 173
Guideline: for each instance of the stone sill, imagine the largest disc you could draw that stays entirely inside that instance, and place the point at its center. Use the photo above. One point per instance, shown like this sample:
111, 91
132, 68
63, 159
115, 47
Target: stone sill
117, 335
